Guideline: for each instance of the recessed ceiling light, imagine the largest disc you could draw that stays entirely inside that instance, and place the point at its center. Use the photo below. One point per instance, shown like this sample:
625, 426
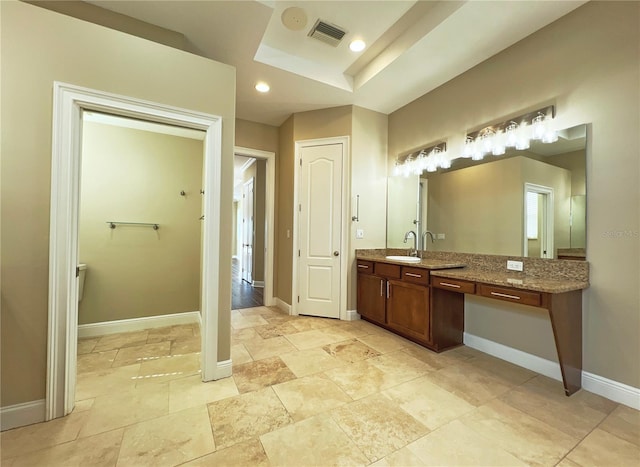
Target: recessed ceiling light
262, 87
357, 46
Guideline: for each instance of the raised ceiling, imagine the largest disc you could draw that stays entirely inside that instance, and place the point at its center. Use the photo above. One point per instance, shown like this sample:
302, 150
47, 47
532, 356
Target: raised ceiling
412, 47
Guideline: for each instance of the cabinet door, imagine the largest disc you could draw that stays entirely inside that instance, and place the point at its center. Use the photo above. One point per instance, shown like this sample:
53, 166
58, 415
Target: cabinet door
371, 297
408, 309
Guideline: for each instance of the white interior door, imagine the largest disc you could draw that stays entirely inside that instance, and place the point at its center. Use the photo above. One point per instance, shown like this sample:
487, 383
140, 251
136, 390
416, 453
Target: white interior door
320, 230
247, 231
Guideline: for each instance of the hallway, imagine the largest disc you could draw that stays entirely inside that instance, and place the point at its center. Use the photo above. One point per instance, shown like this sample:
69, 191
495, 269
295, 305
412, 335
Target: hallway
243, 295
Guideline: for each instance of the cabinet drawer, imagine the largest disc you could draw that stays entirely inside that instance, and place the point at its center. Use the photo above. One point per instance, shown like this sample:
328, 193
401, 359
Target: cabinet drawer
415, 275
510, 295
365, 267
454, 285
392, 271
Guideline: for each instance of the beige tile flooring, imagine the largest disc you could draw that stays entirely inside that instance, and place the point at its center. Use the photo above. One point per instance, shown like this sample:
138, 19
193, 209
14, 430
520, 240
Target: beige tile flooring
312, 391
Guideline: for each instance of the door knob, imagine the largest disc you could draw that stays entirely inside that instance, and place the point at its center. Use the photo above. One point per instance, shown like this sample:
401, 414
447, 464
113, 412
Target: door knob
336, 253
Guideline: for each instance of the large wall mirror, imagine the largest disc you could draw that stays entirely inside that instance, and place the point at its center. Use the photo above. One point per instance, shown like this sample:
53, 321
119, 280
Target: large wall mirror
525, 203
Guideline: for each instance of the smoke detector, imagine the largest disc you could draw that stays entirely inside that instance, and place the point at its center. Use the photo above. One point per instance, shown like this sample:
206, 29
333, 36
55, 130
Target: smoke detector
327, 33
294, 18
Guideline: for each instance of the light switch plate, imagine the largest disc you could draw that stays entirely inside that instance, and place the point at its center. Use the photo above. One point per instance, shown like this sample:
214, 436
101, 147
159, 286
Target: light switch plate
514, 265
440, 236
359, 233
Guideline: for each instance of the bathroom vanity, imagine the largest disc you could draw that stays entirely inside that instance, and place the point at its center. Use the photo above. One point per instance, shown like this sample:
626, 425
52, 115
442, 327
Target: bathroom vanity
424, 301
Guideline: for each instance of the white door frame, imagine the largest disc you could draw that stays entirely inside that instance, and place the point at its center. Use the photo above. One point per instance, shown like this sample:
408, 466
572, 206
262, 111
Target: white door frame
269, 203
68, 103
344, 215
549, 217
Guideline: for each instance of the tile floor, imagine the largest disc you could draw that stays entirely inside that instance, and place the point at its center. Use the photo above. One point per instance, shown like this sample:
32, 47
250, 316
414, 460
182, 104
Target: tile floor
316, 392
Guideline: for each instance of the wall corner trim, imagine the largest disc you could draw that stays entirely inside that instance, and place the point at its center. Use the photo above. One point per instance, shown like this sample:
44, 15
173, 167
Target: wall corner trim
282, 305
610, 389
350, 315
27, 413
223, 369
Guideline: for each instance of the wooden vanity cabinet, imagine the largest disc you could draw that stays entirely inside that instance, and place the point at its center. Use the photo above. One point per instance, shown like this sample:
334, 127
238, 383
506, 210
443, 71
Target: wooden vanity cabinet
408, 309
395, 297
372, 297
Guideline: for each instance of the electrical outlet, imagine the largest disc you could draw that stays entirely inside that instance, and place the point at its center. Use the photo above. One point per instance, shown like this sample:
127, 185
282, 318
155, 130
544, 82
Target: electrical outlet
440, 236
359, 233
514, 265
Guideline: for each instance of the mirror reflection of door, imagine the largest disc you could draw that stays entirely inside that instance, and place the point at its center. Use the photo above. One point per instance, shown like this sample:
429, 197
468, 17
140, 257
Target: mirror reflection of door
538, 221
247, 230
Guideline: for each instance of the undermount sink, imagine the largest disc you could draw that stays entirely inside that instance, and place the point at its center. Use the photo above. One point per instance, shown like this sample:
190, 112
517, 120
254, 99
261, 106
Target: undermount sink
406, 259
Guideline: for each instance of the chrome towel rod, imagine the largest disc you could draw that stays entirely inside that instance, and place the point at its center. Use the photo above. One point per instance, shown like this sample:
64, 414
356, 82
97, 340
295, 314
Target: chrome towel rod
112, 224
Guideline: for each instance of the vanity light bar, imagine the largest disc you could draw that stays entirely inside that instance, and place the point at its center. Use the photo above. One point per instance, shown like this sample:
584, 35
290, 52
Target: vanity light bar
429, 158
513, 133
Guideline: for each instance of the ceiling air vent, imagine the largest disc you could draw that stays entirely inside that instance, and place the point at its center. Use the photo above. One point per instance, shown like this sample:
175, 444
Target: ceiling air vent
327, 33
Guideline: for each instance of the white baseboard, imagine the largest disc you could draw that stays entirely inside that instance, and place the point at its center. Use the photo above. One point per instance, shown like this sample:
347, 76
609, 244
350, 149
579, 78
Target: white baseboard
223, 369
138, 324
27, 413
515, 356
610, 389
350, 315
282, 305
258, 284
617, 392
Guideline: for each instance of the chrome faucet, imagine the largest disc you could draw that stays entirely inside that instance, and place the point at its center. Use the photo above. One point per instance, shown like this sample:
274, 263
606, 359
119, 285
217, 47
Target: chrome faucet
424, 238
414, 251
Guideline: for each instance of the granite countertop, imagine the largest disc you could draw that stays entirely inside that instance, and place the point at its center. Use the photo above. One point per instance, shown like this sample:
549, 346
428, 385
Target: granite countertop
513, 279
425, 263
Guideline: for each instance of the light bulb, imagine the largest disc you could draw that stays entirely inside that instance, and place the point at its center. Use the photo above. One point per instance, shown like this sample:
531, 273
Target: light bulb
467, 152
538, 126
357, 46
550, 136
498, 144
511, 135
522, 135
397, 169
445, 162
487, 141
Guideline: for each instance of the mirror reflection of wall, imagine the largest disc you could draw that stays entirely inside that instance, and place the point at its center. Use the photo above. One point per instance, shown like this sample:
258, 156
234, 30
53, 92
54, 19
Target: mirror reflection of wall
478, 206
402, 195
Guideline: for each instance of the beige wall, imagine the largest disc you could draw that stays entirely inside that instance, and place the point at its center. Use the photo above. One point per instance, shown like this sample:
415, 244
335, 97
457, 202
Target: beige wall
369, 180
574, 161
284, 213
587, 63
136, 176
479, 209
80, 53
256, 136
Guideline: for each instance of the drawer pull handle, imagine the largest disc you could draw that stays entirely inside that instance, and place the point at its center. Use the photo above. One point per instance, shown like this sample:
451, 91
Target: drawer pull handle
363, 266
498, 294
446, 284
410, 274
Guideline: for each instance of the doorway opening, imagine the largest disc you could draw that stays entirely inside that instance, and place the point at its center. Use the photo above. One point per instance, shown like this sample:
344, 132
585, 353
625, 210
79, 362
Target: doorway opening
69, 103
253, 228
538, 221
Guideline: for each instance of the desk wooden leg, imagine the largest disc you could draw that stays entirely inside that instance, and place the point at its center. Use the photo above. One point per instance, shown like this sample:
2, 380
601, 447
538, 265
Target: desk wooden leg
565, 311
